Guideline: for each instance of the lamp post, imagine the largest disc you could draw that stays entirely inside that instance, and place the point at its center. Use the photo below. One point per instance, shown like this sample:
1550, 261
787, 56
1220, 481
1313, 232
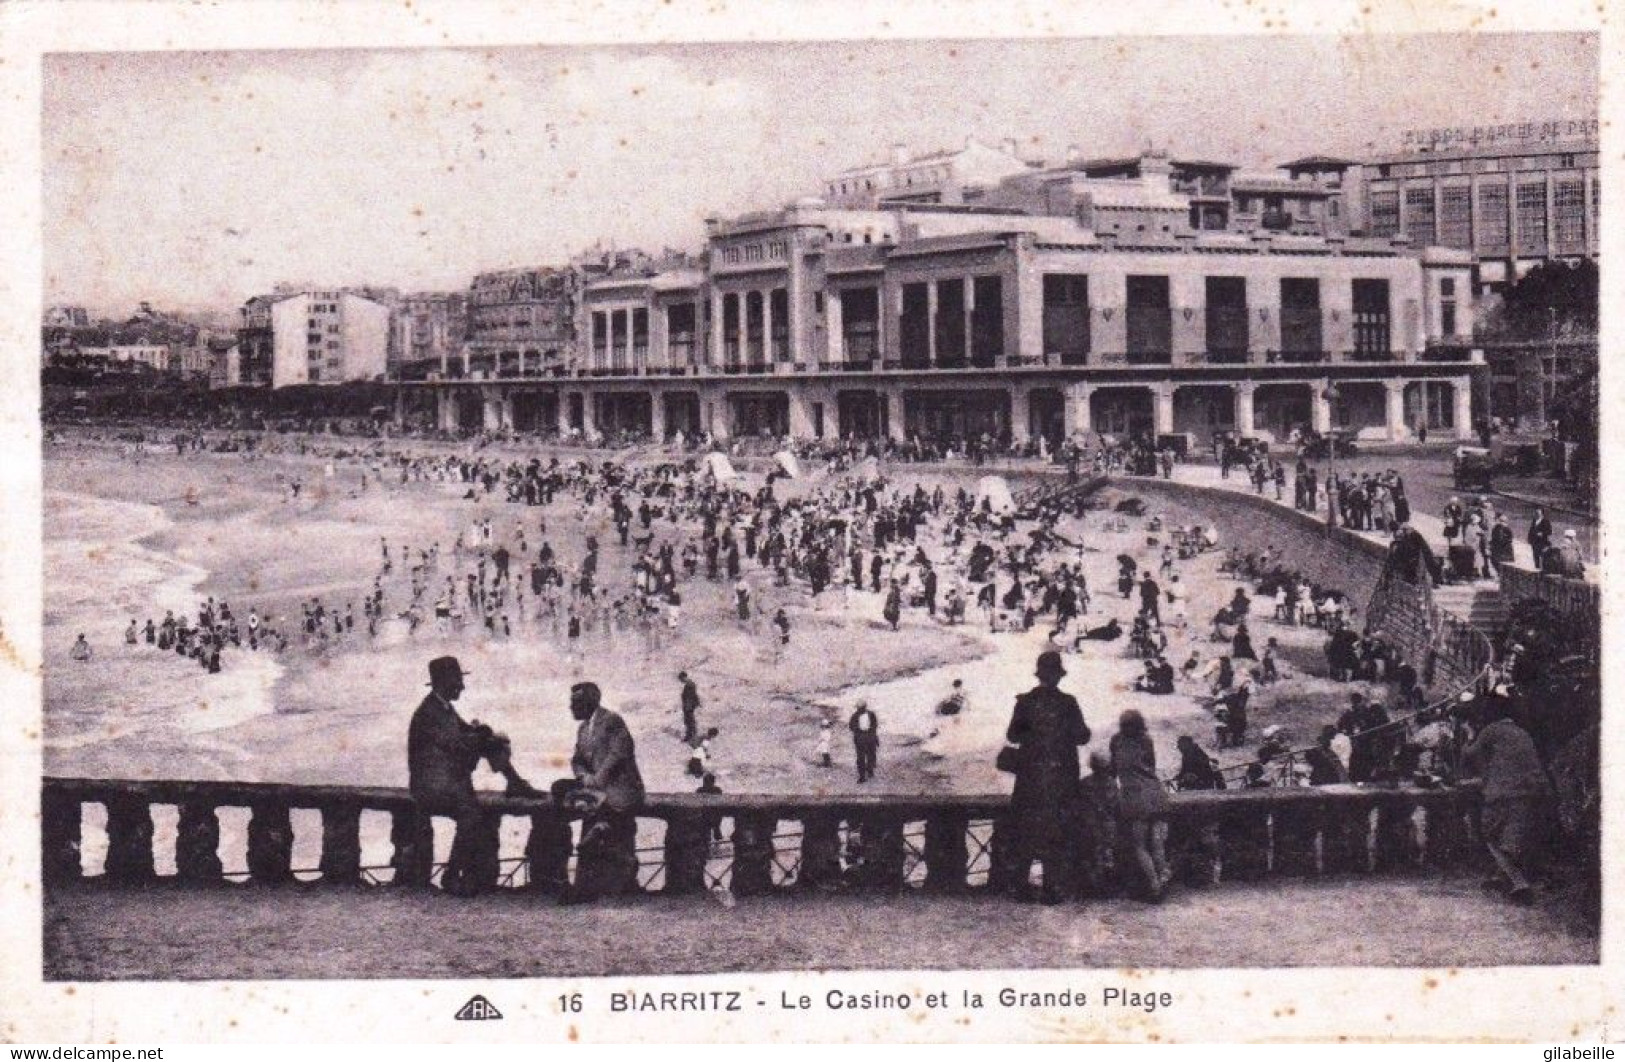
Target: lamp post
1331, 396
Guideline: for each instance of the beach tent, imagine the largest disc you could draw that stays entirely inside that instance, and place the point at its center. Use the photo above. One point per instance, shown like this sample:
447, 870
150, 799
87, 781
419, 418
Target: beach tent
721, 469
996, 493
788, 464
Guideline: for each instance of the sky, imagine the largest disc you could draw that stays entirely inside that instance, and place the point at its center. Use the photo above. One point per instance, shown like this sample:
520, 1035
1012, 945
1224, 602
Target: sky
197, 179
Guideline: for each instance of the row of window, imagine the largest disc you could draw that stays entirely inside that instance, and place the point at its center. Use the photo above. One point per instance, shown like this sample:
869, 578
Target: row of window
968, 327
522, 318
769, 250
1448, 219
850, 187
1148, 317
1499, 165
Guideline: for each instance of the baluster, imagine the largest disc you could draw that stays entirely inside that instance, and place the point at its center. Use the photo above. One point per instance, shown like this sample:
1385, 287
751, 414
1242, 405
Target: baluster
341, 844
129, 840
548, 852
884, 851
1002, 872
688, 844
412, 836
820, 850
197, 844
1194, 845
485, 862
1297, 831
61, 837
270, 844
1396, 846
1448, 836
946, 852
753, 853
1370, 834
1342, 833
1245, 842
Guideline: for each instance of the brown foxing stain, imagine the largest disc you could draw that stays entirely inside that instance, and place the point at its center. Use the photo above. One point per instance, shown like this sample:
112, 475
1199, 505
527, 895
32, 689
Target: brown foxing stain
8, 652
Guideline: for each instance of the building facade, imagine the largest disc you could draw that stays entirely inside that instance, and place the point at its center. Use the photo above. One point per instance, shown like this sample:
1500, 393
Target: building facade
1512, 195
151, 356
255, 344
1214, 196
946, 321
520, 322
225, 364
328, 337
430, 329
955, 176
193, 361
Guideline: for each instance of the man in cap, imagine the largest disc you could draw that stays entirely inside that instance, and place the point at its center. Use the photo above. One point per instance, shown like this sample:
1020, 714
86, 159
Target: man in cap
609, 788
1047, 727
1516, 812
442, 751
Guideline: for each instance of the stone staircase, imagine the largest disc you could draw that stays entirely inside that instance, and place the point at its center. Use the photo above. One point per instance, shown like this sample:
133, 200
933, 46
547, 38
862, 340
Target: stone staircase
1479, 603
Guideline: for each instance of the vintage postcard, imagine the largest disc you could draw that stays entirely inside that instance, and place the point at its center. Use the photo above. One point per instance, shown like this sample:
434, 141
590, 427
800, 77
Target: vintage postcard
860, 522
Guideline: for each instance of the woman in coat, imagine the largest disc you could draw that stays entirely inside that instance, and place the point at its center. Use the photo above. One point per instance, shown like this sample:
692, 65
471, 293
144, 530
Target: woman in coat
1142, 800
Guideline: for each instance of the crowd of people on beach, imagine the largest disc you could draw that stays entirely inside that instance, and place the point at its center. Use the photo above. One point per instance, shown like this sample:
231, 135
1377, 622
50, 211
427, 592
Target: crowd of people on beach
928, 556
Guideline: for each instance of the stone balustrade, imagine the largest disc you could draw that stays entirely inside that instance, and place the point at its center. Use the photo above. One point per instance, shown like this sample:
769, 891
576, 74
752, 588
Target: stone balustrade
942, 844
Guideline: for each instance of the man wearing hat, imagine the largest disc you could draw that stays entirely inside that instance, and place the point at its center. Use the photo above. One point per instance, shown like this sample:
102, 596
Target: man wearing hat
865, 729
690, 703
442, 751
609, 788
1540, 536
1501, 548
1046, 728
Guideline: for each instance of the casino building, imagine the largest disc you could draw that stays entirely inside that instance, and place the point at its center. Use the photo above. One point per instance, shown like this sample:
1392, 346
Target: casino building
1090, 297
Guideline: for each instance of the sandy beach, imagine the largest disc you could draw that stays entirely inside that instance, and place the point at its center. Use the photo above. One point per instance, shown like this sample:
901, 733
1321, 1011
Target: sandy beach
129, 539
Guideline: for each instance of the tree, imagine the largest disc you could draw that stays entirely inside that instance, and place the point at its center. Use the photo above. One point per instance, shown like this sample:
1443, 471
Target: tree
1553, 300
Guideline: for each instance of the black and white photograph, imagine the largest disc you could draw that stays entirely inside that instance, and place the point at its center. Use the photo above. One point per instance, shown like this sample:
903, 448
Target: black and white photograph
624, 509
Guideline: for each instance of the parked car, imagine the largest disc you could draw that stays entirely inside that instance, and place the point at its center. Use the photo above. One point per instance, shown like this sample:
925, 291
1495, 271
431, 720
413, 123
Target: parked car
1473, 468
1332, 444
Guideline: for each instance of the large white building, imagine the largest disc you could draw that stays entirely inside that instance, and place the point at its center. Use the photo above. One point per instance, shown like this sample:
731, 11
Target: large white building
328, 337
1110, 315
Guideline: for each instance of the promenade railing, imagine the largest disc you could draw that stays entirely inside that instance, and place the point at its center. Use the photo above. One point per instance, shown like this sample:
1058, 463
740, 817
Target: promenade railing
692, 843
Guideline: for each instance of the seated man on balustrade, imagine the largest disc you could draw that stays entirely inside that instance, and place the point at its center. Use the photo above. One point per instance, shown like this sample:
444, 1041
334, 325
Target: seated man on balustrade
442, 751
609, 789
